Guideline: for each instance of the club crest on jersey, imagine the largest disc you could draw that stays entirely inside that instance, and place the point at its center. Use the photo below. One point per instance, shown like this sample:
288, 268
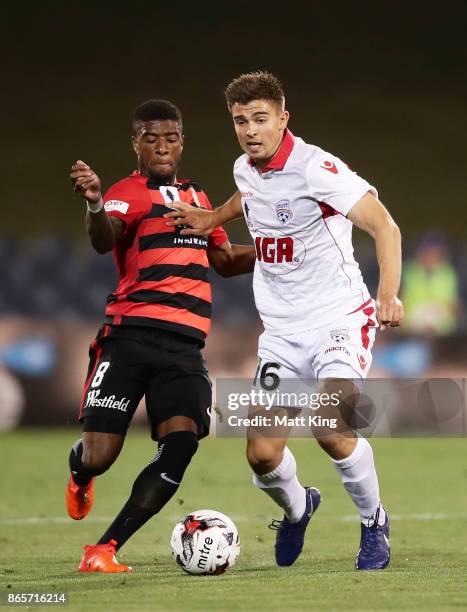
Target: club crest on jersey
340, 336
283, 211
169, 193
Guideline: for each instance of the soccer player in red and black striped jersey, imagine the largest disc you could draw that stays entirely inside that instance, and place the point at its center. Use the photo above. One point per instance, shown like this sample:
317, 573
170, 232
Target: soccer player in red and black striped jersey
155, 325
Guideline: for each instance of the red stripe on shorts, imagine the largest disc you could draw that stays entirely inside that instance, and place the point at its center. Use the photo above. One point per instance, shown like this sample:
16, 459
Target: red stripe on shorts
366, 327
98, 350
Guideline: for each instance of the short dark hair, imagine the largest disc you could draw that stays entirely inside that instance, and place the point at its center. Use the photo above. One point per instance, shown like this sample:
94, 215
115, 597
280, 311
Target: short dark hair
153, 110
259, 85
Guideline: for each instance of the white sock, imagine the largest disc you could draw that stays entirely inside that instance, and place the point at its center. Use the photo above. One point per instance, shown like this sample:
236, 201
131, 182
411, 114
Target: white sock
283, 487
358, 474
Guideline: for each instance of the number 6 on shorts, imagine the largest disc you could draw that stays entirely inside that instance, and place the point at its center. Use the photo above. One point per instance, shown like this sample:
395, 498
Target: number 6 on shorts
268, 380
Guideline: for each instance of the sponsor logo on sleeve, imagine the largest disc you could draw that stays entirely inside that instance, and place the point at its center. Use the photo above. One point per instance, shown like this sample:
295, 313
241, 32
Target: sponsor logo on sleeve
329, 166
118, 205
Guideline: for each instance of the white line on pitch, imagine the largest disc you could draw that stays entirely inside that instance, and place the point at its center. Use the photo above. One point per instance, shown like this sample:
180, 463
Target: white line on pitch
40, 520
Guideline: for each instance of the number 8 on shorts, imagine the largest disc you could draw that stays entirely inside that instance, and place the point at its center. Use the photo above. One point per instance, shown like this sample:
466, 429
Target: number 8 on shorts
99, 375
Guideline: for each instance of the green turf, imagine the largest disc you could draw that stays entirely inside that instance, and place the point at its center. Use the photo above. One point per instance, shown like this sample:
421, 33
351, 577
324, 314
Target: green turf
418, 478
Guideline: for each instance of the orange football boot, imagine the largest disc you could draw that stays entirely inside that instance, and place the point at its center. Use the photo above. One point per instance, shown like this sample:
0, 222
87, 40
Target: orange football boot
79, 500
101, 558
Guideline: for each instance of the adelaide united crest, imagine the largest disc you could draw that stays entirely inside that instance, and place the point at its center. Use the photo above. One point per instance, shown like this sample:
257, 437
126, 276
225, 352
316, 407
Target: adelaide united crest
283, 211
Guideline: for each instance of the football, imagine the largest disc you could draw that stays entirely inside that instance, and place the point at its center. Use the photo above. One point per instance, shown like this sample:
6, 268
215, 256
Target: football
205, 542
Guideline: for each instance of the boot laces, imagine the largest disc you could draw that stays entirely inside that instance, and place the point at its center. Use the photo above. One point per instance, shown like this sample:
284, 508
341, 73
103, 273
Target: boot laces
276, 525
371, 533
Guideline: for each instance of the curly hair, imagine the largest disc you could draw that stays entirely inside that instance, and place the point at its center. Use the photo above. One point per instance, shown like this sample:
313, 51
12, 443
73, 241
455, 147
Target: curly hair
153, 110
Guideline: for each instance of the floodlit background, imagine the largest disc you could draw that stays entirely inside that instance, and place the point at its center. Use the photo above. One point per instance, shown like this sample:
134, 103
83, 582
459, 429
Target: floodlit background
381, 86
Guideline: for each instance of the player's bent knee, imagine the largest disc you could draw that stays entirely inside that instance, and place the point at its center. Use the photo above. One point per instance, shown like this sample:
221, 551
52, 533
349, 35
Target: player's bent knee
160, 479
98, 460
263, 455
179, 447
100, 450
96, 464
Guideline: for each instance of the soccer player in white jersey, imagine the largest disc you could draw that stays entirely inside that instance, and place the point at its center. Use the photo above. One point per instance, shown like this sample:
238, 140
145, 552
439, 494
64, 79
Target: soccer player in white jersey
300, 203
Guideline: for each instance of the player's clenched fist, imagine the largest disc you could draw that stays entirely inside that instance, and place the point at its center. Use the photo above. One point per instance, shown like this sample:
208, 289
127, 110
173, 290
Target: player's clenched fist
389, 312
199, 220
85, 181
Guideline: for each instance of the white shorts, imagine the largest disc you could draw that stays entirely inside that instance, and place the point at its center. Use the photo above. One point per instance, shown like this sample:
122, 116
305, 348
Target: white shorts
340, 350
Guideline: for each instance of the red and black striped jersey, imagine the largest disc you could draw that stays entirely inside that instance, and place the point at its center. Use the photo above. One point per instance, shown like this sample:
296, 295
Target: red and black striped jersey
163, 276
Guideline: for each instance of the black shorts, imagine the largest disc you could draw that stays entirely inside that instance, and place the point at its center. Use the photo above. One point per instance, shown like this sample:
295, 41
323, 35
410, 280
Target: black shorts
127, 362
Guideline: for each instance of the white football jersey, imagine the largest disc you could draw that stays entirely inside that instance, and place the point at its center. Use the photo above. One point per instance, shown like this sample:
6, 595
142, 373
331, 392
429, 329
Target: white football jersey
305, 274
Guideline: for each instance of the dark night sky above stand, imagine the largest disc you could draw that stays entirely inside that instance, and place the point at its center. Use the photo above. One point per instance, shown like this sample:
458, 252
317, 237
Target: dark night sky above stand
380, 85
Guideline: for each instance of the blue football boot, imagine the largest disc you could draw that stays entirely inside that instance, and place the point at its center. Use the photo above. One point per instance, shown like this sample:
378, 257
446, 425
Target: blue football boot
290, 536
374, 550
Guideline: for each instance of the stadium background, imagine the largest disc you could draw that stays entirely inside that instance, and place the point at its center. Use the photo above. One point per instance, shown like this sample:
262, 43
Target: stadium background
383, 93
382, 85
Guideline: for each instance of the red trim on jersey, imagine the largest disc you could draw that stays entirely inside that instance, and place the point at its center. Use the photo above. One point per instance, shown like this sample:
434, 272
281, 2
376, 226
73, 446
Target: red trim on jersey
360, 308
327, 210
217, 237
281, 156
164, 313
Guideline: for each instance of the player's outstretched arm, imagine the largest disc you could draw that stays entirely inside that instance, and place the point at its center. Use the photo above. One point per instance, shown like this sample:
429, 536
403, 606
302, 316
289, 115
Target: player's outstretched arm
370, 215
103, 230
201, 222
232, 259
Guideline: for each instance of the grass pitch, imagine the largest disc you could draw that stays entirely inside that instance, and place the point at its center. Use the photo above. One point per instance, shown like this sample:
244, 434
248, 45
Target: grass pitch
423, 484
